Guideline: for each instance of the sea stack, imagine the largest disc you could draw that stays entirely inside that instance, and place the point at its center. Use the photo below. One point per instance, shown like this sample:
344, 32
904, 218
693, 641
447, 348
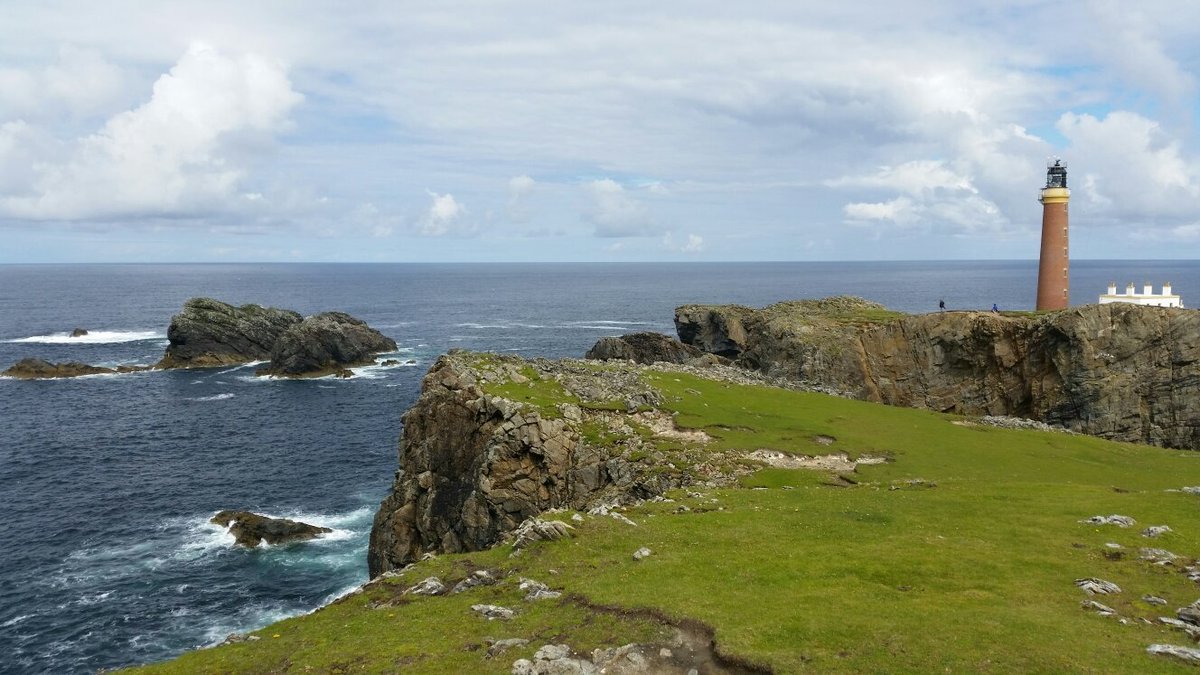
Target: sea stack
1054, 281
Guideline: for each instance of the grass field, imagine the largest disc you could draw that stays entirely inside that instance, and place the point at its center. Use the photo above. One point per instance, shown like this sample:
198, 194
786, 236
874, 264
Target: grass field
959, 554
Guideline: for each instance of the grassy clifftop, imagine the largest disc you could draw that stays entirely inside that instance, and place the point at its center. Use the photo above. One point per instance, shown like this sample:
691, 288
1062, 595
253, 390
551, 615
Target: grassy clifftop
960, 552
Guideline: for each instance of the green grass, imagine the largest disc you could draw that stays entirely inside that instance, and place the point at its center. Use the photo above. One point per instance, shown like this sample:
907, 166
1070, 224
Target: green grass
972, 575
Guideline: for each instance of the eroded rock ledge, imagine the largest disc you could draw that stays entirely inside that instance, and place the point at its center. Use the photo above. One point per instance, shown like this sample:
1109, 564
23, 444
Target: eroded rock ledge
493, 440
1118, 371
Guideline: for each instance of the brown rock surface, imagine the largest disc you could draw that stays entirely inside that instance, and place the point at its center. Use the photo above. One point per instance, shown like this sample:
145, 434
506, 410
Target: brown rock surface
249, 529
37, 369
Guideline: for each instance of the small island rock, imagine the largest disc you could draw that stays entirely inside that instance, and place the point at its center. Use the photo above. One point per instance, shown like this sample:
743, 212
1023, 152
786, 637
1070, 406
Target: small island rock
251, 528
79, 332
38, 369
211, 333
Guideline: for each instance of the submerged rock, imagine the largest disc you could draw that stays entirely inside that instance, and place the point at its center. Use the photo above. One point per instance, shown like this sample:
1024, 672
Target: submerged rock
250, 529
79, 332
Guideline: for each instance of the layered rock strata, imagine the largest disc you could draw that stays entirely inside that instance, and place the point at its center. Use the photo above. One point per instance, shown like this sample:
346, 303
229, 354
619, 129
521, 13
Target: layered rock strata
1118, 371
211, 333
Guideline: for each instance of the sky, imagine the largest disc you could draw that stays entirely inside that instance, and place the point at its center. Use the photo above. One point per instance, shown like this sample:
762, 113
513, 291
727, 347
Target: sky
539, 130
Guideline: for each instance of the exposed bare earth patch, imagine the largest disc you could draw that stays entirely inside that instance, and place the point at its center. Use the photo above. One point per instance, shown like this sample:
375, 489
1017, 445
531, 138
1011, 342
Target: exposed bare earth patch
663, 425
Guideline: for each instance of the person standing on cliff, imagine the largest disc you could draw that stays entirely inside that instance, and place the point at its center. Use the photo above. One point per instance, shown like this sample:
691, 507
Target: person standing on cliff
941, 305
995, 308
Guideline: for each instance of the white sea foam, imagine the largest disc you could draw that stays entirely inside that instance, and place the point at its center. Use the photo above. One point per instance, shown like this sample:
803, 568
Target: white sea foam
96, 337
615, 323
15, 620
215, 397
481, 325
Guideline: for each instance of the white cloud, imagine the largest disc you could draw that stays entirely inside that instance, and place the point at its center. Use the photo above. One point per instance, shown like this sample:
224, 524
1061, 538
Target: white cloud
519, 189
692, 244
445, 217
175, 155
614, 213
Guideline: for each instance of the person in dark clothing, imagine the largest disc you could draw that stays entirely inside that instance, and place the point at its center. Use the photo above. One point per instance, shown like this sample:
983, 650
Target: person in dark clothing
942, 305
995, 308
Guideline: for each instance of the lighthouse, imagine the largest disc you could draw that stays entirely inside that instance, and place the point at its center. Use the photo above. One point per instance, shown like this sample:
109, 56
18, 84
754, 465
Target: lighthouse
1054, 281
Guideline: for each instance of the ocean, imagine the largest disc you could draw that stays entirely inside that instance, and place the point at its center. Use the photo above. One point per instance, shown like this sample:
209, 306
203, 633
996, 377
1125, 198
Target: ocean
107, 482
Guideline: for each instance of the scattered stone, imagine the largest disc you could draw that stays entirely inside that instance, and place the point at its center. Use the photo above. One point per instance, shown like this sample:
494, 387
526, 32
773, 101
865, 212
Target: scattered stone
642, 553
427, 586
1192, 630
622, 518
1002, 422
498, 647
838, 462
536, 590
578, 518
535, 529
1153, 600
1158, 556
554, 660
1094, 586
1114, 545
1101, 609
477, 578
1188, 654
1155, 531
494, 611
1119, 521
1192, 490
1190, 614
251, 529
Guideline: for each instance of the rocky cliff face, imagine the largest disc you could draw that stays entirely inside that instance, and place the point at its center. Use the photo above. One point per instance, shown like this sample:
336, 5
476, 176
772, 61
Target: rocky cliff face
212, 333
1118, 371
645, 348
494, 440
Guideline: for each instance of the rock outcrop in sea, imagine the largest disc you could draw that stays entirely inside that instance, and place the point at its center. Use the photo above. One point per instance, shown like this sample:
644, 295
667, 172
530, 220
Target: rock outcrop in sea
251, 529
325, 343
1118, 371
211, 333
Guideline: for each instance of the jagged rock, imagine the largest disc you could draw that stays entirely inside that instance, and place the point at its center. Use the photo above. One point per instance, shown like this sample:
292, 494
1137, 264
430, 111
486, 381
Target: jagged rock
1153, 600
1190, 614
250, 529
427, 586
1101, 609
1155, 531
554, 660
1119, 371
536, 590
498, 647
1158, 556
1094, 586
642, 553
476, 578
212, 333
1119, 521
494, 611
1192, 630
37, 369
474, 466
536, 529
643, 348
1188, 654
323, 344
79, 332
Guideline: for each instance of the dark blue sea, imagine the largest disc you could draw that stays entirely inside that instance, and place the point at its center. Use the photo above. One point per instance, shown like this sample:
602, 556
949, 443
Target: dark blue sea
107, 482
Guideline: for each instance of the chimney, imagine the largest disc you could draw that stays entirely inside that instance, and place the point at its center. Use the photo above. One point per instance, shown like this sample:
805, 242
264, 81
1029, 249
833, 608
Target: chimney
1112, 288
1147, 289
1167, 288
1129, 289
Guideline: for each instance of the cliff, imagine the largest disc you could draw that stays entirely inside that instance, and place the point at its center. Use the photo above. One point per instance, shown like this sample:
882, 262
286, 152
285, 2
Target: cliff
493, 440
1118, 371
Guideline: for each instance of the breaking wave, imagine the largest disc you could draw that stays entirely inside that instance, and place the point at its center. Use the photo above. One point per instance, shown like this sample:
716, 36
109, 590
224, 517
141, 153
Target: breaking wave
96, 337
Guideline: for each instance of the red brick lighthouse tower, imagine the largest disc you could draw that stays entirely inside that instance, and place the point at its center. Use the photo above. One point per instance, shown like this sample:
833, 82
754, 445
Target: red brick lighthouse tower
1054, 282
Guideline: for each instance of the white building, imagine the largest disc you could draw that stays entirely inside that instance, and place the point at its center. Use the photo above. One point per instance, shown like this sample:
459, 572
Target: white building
1146, 297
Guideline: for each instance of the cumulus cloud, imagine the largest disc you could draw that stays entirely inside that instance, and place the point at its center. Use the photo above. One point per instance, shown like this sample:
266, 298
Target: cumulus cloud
615, 213
691, 244
445, 217
1130, 168
179, 154
79, 82
519, 189
934, 197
